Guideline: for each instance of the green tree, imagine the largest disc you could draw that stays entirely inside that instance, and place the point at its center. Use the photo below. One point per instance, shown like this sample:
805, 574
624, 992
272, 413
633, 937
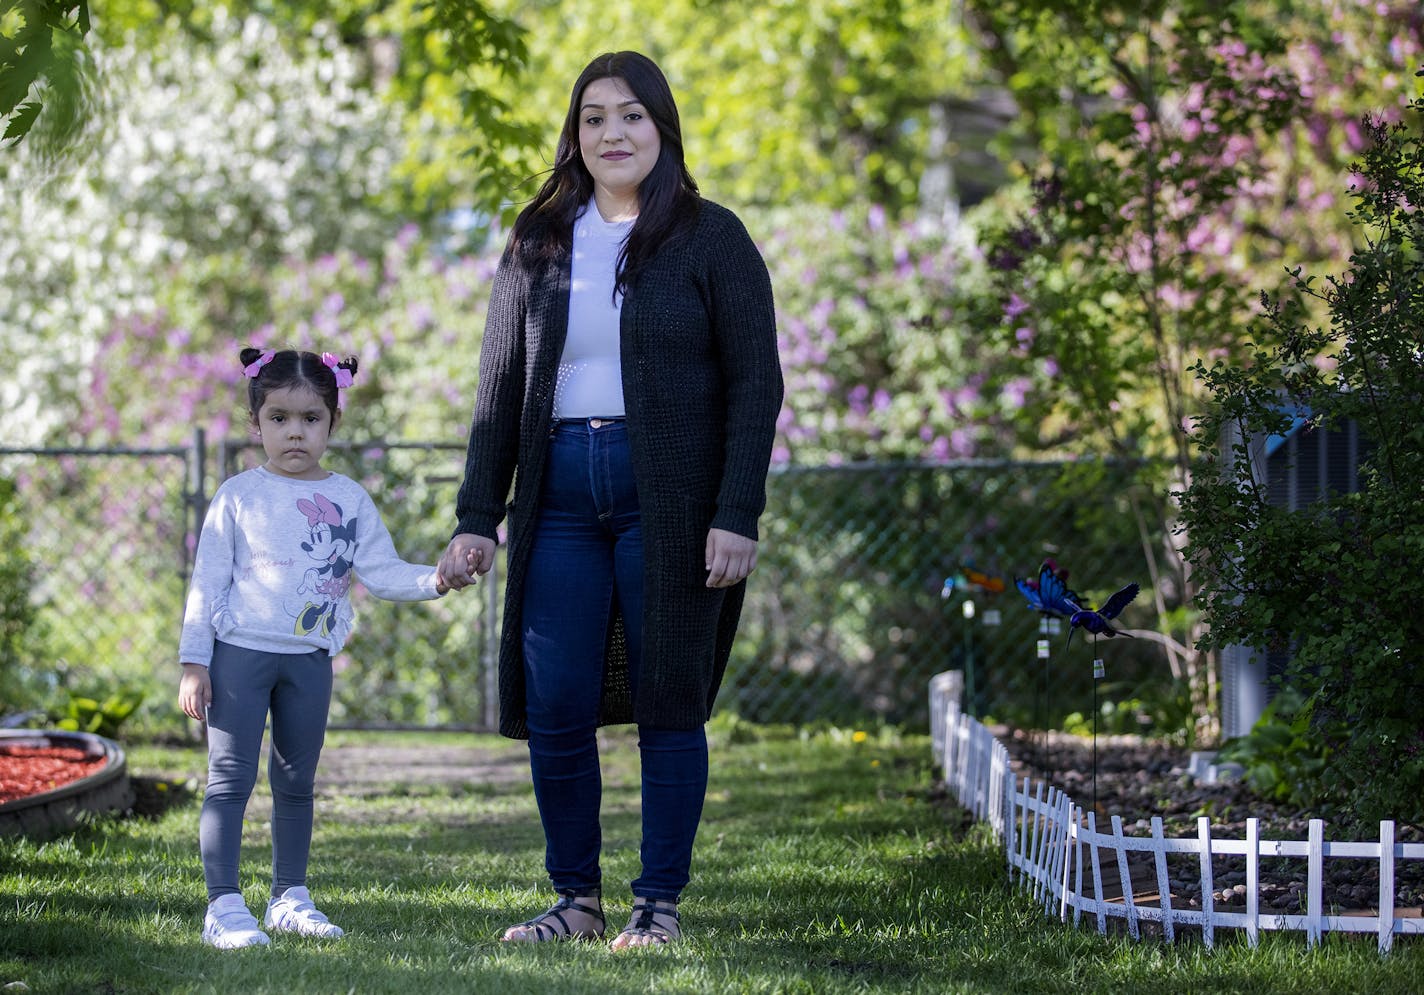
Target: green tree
784, 103
1336, 583
218, 157
1112, 272
444, 70
878, 349
1179, 149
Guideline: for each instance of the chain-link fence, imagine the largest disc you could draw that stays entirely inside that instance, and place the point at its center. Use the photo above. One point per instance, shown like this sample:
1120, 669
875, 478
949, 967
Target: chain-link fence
99, 546
95, 565
859, 596
425, 664
873, 578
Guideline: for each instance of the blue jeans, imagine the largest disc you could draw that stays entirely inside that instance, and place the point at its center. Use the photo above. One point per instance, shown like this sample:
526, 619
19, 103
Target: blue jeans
588, 556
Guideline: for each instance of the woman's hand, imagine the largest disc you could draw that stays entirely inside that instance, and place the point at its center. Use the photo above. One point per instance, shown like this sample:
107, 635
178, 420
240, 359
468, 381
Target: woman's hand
195, 691
730, 557
467, 557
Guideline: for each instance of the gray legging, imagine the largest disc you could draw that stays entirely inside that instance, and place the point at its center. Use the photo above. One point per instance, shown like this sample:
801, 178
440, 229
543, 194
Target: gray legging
296, 688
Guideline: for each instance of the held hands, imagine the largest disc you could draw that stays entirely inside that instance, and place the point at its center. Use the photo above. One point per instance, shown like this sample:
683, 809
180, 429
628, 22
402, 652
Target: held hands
730, 557
195, 691
466, 558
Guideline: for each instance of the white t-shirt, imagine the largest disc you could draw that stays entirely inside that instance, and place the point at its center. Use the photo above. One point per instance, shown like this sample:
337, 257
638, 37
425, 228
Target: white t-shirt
275, 561
590, 378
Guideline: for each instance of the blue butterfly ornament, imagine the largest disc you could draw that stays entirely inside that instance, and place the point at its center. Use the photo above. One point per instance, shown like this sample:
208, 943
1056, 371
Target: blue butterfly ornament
1049, 594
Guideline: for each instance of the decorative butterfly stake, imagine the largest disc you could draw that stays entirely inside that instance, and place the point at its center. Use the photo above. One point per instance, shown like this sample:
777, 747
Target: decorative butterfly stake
1058, 598
1047, 594
972, 580
951, 584
981, 580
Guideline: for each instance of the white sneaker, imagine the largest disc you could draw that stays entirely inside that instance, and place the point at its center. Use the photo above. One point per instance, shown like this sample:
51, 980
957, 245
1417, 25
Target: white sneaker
228, 925
293, 912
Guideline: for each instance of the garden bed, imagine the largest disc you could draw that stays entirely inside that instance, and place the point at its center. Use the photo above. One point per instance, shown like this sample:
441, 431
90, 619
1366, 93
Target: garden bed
1138, 779
51, 781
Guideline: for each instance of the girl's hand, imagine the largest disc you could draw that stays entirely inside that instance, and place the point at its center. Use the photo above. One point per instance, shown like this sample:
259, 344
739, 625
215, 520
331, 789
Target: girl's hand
195, 691
730, 557
466, 557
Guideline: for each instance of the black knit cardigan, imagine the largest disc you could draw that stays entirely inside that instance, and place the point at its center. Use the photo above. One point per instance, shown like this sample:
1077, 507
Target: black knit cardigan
702, 388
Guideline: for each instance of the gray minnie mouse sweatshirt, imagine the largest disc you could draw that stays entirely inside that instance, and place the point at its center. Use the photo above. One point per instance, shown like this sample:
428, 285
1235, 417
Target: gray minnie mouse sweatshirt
275, 563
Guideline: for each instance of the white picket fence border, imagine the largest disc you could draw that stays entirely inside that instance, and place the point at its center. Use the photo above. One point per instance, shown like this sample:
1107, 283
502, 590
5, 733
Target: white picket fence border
1052, 844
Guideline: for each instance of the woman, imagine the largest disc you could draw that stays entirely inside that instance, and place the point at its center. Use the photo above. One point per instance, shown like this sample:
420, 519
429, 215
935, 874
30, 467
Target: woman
629, 387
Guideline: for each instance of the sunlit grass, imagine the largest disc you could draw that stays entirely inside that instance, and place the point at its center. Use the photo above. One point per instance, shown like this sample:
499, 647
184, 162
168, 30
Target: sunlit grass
826, 863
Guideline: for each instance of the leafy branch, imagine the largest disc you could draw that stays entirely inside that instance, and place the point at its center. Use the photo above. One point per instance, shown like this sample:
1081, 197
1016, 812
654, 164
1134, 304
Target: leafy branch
40, 46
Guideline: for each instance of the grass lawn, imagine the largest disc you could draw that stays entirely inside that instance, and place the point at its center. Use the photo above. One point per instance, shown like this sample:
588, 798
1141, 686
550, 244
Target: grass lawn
826, 863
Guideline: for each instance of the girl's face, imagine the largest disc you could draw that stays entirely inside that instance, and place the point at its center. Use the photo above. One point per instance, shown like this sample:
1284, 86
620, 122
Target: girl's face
619, 143
295, 427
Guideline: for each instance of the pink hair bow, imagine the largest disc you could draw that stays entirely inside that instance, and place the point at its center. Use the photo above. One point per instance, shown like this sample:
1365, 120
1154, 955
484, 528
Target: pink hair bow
323, 511
255, 367
343, 377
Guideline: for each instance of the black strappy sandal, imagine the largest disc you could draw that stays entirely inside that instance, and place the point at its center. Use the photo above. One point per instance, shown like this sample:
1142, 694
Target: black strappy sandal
551, 926
655, 920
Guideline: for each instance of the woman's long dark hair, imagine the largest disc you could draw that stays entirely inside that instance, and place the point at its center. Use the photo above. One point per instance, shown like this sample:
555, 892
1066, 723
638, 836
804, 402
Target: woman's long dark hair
667, 197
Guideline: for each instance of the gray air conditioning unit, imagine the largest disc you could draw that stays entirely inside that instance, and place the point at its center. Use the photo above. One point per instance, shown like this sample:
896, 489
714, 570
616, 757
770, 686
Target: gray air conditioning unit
1299, 467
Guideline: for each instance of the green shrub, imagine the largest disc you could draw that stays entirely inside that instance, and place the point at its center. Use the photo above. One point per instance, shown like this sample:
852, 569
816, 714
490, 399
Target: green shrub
102, 718
1336, 582
1282, 756
1153, 708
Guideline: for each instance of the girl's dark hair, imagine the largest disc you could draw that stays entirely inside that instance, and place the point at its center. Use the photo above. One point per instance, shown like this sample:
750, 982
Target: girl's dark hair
292, 368
667, 198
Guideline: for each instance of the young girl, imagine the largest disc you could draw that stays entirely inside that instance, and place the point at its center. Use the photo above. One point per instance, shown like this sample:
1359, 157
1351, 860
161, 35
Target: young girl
266, 612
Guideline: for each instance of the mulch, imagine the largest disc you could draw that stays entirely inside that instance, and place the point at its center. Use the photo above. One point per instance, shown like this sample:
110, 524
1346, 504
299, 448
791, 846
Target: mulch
32, 770
1138, 779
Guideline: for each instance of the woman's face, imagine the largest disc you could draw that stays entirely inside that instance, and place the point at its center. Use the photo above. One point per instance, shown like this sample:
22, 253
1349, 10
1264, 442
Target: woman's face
618, 140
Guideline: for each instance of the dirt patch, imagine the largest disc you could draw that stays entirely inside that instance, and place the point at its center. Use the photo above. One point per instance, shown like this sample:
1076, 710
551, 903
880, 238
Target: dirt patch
358, 770
154, 796
366, 768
